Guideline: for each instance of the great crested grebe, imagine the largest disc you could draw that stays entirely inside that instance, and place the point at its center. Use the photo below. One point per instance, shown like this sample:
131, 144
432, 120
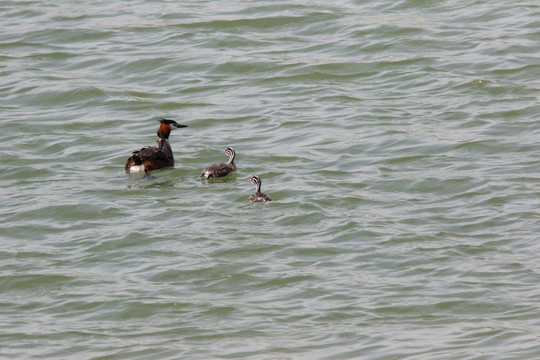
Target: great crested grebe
220, 170
258, 196
154, 157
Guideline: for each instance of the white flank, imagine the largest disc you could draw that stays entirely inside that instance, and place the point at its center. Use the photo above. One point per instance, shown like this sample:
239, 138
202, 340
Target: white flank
136, 168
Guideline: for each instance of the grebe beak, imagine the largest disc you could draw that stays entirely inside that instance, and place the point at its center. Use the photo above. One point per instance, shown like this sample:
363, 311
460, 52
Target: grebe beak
171, 123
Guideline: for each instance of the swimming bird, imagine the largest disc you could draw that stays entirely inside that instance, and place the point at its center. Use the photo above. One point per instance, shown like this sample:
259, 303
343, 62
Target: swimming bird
258, 196
154, 157
220, 170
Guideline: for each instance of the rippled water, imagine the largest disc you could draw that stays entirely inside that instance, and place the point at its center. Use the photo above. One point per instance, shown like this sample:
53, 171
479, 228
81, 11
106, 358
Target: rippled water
398, 140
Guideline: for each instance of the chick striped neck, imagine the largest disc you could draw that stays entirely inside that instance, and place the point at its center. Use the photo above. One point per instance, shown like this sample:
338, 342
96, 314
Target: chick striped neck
231, 153
257, 182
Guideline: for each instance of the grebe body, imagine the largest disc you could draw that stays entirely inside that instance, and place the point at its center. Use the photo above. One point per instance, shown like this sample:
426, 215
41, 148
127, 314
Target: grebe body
258, 196
220, 170
154, 157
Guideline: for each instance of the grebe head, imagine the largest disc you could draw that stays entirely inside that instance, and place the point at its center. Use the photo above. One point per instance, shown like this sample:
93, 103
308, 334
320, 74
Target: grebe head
166, 126
230, 153
255, 180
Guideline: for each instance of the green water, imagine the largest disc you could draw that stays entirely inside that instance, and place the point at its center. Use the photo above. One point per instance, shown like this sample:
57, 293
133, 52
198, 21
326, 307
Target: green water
399, 142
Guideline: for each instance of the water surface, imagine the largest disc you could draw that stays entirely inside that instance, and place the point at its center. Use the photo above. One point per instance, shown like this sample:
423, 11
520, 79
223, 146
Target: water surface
399, 142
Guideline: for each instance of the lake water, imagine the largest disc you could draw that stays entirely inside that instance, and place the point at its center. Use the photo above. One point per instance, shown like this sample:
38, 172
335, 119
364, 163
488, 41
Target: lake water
399, 140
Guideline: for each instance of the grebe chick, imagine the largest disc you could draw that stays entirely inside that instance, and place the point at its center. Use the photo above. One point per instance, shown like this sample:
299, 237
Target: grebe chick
258, 196
154, 157
220, 170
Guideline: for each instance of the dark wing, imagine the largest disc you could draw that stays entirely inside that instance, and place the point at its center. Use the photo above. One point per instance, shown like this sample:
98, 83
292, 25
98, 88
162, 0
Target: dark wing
151, 157
151, 154
218, 170
222, 170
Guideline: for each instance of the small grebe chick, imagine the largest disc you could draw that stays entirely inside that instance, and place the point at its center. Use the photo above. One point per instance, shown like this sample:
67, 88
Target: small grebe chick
154, 157
220, 170
258, 196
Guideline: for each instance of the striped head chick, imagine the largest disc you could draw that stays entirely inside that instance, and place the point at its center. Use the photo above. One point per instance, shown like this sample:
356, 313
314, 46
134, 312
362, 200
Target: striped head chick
220, 170
258, 196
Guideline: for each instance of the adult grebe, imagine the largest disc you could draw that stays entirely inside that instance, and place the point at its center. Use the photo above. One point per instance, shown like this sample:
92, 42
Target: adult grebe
155, 157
